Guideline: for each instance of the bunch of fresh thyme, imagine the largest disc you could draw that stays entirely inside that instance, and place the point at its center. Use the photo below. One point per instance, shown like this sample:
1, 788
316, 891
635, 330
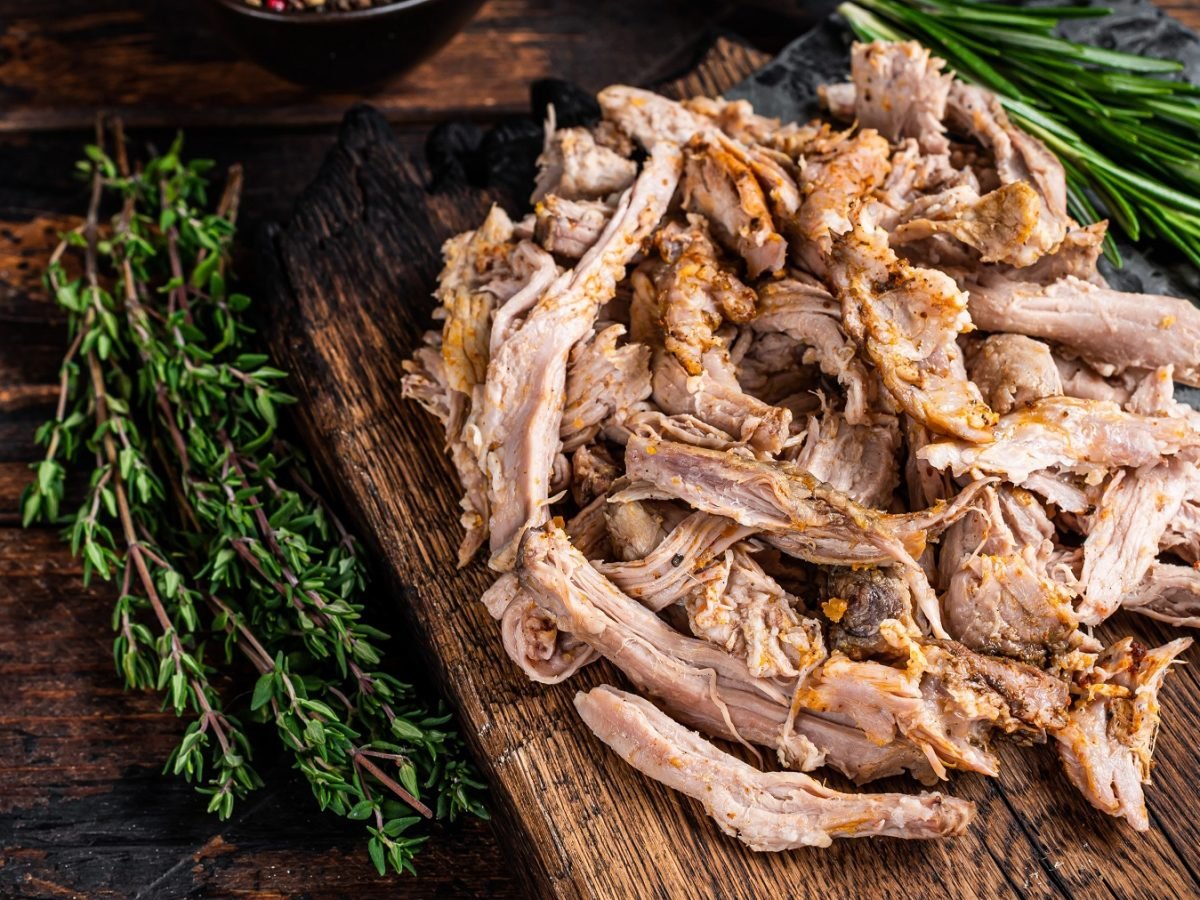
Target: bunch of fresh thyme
1128, 137
207, 519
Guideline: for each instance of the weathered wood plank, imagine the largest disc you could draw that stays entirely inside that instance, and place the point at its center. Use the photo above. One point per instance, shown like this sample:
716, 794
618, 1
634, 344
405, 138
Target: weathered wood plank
160, 63
724, 64
1186, 11
85, 810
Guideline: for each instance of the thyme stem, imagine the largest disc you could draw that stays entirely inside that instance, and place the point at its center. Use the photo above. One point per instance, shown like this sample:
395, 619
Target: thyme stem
209, 523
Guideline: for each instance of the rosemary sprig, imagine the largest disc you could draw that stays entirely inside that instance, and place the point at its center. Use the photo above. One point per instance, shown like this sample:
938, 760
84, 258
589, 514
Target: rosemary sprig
1126, 133
208, 521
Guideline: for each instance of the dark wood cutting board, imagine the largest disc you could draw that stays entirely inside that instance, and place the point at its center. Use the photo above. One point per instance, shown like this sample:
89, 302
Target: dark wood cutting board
349, 280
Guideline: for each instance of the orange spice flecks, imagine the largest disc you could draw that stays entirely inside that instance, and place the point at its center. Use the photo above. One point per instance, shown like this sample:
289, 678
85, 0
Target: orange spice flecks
834, 608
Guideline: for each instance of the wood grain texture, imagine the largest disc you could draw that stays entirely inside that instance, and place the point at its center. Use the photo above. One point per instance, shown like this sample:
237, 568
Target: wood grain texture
1186, 11
159, 62
581, 822
85, 810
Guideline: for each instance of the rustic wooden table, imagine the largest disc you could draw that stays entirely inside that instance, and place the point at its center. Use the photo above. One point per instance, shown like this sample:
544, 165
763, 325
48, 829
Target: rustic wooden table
84, 810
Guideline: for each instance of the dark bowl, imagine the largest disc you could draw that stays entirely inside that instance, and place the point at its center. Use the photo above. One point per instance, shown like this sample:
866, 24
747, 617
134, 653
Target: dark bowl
343, 49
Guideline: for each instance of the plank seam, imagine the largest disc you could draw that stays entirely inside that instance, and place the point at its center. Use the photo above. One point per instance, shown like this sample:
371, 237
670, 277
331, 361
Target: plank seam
1001, 865
1039, 851
1166, 833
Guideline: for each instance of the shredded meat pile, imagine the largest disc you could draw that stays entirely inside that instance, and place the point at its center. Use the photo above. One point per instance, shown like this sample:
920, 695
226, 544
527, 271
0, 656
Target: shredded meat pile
832, 439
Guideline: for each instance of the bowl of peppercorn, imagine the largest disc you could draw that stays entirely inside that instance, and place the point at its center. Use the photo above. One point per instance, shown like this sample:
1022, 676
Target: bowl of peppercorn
341, 43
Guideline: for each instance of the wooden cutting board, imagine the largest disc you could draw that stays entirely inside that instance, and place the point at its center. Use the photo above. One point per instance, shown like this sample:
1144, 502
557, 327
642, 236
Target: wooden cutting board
349, 278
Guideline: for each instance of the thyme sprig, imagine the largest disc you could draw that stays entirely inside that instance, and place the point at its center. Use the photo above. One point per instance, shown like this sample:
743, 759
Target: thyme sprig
208, 521
1127, 134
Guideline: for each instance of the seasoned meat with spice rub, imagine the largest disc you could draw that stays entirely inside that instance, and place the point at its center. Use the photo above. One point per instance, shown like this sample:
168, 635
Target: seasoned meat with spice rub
803, 309
1133, 516
1013, 371
998, 224
834, 440
857, 602
567, 228
696, 295
1020, 159
574, 167
714, 396
722, 187
901, 91
766, 810
834, 184
698, 682
1116, 330
999, 596
906, 320
1107, 743
1088, 437
605, 383
526, 378
738, 606
812, 519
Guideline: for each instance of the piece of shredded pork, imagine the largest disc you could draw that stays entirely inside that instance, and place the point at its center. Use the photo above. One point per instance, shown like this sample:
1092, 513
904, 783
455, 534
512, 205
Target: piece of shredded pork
1112, 329
901, 92
574, 167
667, 573
568, 228
833, 439
1133, 516
605, 383
999, 596
803, 309
524, 391
798, 513
810, 518
1019, 159
697, 295
766, 810
906, 320
858, 460
723, 188
1169, 593
713, 395
738, 606
1082, 436
1107, 743
530, 634
700, 683
998, 224
835, 183
1013, 371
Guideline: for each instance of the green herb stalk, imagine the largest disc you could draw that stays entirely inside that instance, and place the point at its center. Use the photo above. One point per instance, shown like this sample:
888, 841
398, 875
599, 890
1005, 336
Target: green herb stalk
207, 519
1128, 135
